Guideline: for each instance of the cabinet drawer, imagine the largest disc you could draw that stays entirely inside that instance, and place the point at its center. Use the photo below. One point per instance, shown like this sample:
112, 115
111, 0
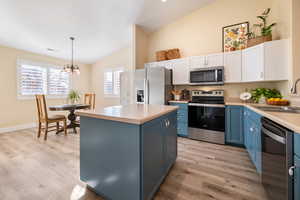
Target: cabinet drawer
297, 144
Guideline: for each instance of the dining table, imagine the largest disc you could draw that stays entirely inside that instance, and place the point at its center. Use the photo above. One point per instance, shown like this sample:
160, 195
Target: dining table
71, 108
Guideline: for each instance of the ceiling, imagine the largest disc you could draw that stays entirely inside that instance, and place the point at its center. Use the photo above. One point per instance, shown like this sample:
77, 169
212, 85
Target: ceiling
99, 26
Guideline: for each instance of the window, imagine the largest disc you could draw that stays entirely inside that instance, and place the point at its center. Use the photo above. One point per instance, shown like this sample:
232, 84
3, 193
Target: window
112, 82
39, 78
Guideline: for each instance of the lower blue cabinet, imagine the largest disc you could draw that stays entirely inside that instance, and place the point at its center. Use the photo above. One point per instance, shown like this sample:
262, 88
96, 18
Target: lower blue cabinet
182, 118
297, 178
234, 125
252, 134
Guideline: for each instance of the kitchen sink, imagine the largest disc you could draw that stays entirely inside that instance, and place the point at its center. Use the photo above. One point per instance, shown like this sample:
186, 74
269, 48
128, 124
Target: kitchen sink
285, 109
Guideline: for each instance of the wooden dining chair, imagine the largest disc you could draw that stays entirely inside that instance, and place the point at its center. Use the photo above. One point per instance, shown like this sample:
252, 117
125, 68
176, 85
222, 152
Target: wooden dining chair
45, 120
89, 99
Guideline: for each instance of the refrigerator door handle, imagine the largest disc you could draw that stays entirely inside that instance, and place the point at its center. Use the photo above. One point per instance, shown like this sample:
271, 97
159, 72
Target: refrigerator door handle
147, 94
146, 98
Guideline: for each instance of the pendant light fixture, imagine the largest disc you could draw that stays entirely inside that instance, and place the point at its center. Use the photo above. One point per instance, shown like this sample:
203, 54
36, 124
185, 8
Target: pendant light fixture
71, 68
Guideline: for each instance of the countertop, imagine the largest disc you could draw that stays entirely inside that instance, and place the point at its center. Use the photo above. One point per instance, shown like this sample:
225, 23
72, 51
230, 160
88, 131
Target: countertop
133, 114
288, 120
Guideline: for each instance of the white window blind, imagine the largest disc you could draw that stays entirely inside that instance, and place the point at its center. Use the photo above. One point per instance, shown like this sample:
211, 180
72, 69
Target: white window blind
38, 78
112, 82
58, 82
32, 80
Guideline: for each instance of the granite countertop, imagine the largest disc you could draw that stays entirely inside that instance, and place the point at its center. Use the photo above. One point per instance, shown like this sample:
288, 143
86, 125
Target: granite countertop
133, 114
288, 120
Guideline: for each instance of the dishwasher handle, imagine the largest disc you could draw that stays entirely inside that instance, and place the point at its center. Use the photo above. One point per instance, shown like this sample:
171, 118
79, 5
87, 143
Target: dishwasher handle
274, 136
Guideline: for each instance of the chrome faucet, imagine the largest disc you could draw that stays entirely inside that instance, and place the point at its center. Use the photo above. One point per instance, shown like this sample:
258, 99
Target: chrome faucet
294, 88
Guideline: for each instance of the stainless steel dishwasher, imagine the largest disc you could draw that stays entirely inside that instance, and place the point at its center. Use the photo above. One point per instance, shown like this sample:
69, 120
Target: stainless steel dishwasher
277, 159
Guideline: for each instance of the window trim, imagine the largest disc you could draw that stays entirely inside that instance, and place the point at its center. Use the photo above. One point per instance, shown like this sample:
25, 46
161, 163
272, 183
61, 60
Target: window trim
111, 69
21, 61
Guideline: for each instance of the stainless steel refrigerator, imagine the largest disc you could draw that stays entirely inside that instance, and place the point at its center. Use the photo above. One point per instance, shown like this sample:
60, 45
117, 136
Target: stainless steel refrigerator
150, 86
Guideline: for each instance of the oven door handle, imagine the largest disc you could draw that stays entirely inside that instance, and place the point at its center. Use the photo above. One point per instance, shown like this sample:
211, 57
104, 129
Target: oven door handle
207, 105
273, 136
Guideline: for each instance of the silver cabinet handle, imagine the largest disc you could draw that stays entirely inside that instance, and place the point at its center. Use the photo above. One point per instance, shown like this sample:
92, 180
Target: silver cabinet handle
251, 129
166, 123
291, 170
169, 123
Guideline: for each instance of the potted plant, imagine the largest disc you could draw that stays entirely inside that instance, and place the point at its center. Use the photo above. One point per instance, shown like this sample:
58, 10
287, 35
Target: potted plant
260, 95
265, 30
73, 96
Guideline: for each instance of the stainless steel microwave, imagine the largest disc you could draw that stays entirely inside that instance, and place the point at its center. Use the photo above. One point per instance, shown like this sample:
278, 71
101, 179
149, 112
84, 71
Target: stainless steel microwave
207, 76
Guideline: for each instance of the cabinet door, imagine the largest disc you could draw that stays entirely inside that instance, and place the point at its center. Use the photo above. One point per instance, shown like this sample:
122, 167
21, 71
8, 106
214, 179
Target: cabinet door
182, 119
234, 125
233, 66
181, 71
153, 155
197, 62
297, 178
253, 64
276, 60
152, 64
215, 60
166, 64
170, 140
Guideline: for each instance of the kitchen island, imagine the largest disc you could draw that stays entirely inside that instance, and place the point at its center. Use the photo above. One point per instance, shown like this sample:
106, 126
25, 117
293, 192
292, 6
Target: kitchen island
127, 151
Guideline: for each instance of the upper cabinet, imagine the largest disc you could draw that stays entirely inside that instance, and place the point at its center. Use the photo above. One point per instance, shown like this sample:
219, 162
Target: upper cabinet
276, 60
233, 67
253, 64
212, 60
215, 60
266, 62
197, 62
181, 71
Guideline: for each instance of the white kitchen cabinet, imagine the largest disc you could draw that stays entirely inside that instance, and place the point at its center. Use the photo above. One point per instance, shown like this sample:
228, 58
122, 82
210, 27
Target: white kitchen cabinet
197, 62
276, 58
266, 62
253, 64
214, 60
181, 71
211, 60
233, 67
152, 64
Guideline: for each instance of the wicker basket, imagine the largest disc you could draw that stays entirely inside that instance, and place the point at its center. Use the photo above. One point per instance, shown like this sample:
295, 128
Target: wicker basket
161, 55
173, 54
258, 40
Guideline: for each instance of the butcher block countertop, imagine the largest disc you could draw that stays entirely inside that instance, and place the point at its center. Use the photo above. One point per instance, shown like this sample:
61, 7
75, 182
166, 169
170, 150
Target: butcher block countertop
133, 114
288, 120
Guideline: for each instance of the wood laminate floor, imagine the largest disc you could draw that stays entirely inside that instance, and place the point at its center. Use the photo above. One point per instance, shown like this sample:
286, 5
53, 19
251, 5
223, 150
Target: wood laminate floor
31, 169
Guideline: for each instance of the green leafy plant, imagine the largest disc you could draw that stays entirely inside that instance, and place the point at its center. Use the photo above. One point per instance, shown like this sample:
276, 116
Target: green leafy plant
266, 30
73, 96
264, 92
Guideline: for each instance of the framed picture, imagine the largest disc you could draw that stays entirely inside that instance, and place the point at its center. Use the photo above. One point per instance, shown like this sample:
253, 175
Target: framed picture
235, 37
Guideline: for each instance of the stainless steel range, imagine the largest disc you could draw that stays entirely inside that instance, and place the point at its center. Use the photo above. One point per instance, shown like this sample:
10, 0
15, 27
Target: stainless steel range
207, 116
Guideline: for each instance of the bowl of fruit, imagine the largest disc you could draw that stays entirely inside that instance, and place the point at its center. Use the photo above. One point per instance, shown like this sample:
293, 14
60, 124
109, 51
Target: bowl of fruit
278, 102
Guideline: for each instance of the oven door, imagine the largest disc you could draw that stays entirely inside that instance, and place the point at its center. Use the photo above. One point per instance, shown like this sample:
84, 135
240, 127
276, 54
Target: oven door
207, 116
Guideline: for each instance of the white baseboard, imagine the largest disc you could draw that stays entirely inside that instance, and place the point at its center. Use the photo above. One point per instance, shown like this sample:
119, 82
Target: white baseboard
17, 128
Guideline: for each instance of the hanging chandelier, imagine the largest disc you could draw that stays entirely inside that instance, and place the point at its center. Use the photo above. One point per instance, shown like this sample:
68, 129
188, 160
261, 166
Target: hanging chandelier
71, 68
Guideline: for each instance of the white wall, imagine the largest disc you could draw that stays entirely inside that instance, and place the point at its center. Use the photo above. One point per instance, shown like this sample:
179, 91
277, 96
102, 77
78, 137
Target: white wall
121, 58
